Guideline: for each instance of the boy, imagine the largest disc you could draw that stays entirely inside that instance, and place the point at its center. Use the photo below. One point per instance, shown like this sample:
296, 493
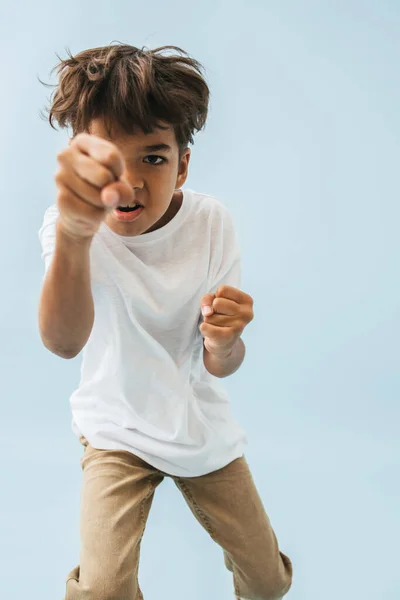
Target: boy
144, 276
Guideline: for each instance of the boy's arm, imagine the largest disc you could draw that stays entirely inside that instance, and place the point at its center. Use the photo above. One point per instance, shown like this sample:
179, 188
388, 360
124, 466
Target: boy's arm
223, 366
66, 309
225, 315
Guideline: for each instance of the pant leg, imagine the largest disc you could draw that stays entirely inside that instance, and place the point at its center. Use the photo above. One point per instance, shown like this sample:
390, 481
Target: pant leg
117, 493
228, 506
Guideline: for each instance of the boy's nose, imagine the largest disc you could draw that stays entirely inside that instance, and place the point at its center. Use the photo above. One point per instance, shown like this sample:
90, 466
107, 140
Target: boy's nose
133, 181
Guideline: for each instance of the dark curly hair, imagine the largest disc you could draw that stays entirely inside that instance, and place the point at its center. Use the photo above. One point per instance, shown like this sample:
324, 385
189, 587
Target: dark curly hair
130, 88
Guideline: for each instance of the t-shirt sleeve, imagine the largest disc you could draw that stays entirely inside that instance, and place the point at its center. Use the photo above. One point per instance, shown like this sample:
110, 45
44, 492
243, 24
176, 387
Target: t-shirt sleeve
225, 260
47, 235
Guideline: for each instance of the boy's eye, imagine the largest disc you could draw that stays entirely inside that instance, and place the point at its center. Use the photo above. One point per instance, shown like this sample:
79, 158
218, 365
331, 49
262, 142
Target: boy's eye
154, 156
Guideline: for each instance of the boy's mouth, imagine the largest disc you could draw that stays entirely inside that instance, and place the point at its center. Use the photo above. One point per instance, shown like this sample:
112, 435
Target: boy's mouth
129, 208
128, 213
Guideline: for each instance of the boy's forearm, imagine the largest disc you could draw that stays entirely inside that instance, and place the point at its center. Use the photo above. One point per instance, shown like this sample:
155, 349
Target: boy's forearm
66, 309
223, 367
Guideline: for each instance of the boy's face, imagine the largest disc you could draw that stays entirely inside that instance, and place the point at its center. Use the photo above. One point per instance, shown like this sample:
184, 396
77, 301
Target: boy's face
155, 177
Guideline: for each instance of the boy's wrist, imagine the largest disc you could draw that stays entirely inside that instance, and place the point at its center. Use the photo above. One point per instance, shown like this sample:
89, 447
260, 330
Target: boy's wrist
225, 363
221, 353
69, 237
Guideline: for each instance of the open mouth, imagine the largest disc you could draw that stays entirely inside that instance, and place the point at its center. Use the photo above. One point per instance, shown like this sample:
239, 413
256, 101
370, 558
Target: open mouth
128, 214
129, 208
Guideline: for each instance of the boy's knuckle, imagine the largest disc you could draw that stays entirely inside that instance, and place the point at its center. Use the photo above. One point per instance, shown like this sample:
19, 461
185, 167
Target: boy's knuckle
111, 155
80, 137
61, 155
217, 303
62, 195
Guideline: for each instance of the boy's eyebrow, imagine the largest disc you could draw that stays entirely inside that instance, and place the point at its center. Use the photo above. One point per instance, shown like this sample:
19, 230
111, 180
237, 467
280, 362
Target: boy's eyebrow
156, 148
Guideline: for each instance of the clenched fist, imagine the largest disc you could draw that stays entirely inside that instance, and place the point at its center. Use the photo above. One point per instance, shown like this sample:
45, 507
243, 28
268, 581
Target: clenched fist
89, 184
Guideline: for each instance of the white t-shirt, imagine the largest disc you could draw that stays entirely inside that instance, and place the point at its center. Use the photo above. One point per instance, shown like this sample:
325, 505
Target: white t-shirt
144, 387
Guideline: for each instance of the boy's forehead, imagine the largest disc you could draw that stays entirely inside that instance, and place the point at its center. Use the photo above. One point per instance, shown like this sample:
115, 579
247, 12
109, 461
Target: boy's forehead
164, 131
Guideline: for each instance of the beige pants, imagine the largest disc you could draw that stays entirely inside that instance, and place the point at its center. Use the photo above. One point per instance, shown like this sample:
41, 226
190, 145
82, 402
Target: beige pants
117, 493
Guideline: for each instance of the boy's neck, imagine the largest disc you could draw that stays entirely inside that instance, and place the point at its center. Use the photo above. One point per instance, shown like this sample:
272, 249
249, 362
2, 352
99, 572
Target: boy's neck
172, 210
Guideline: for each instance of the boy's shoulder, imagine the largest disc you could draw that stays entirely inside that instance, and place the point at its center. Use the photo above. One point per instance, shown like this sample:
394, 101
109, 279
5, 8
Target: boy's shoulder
210, 204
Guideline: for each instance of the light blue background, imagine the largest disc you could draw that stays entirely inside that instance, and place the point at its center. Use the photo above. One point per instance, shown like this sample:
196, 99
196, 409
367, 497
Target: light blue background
302, 144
